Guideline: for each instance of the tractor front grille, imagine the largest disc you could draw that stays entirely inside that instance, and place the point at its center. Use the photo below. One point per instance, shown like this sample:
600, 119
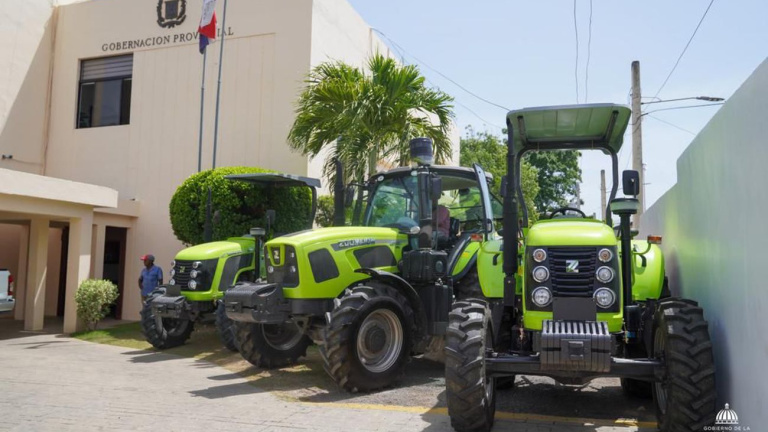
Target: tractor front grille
183, 268
573, 271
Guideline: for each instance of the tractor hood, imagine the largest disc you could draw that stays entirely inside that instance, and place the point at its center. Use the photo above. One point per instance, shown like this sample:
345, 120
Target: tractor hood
341, 237
216, 249
570, 232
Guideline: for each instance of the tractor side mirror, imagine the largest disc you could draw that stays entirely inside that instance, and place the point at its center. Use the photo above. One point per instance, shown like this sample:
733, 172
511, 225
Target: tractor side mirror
631, 183
503, 188
349, 196
436, 186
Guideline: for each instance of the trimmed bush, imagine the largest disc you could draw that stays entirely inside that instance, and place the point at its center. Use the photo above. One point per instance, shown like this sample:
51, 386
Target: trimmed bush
93, 298
240, 206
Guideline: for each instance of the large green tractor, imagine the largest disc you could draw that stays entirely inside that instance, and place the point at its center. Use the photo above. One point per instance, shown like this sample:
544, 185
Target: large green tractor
201, 274
372, 296
574, 298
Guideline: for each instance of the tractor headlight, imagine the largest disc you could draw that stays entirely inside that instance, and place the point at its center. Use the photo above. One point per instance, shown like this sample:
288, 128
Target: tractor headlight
192, 284
270, 269
173, 263
539, 255
172, 281
540, 274
292, 269
604, 297
196, 264
605, 255
605, 274
541, 296
173, 272
194, 273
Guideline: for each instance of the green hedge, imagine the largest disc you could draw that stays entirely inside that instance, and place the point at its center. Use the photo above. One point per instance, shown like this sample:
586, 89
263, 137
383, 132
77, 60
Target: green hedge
241, 206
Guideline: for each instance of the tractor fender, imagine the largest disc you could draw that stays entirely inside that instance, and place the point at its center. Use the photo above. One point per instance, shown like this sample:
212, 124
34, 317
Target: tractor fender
405, 288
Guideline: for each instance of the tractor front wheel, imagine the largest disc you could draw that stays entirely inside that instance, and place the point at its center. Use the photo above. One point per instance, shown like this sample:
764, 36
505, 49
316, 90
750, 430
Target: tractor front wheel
470, 391
368, 341
225, 327
162, 332
685, 399
271, 345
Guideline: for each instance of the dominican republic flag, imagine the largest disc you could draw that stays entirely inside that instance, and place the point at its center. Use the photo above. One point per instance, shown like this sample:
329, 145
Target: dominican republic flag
207, 29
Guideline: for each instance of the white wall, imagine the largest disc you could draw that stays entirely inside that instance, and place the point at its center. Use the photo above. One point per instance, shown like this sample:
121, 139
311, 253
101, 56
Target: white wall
715, 227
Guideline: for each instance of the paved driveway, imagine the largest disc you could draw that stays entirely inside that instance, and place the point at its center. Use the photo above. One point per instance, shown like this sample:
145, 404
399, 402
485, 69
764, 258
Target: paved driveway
53, 382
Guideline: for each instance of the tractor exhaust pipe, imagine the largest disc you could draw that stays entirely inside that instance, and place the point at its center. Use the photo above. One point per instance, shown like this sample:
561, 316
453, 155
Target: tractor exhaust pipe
510, 223
338, 195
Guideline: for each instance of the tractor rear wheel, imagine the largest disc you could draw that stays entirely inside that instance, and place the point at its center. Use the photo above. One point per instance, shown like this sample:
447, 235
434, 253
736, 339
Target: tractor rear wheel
271, 345
470, 391
163, 333
368, 340
685, 399
225, 327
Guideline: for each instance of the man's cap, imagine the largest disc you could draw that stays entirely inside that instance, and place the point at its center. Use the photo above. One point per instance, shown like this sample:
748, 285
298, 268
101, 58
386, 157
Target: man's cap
147, 257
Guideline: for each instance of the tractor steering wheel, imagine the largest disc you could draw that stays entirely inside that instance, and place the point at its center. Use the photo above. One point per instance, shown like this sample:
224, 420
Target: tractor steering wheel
565, 209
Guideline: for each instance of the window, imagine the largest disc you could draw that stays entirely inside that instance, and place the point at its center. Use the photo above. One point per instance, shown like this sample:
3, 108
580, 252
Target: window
394, 203
104, 97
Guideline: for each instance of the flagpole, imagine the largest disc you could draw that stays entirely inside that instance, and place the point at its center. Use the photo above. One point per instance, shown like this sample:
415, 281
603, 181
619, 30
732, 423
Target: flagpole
202, 100
218, 90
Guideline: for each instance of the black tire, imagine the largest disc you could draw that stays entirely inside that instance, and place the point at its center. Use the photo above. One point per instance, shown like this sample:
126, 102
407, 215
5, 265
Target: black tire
470, 393
163, 333
225, 327
271, 345
375, 357
685, 400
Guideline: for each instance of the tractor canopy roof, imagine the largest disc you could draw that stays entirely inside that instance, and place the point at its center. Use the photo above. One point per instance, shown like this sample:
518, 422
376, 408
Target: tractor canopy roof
438, 169
587, 126
276, 179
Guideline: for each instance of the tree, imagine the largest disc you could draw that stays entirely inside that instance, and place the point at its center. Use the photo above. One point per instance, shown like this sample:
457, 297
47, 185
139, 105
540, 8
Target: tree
369, 117
489, 152
558, 177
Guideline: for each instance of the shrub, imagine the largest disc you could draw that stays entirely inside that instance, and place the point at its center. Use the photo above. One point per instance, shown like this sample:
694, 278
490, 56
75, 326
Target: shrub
240, 206
93, 298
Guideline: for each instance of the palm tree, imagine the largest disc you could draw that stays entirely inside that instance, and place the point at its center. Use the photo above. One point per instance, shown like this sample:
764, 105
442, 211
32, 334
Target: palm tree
369, 116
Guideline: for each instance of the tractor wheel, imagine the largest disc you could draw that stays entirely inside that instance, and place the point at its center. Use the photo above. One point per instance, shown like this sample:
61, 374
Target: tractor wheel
685, 399
161, 332
368, 340
468, 286
225, 327
271, 345
470, 392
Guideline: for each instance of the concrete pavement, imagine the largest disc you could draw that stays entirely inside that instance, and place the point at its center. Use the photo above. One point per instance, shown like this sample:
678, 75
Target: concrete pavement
53, 382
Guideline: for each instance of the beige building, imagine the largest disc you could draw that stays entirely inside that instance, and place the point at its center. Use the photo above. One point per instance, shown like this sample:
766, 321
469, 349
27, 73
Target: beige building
106, 96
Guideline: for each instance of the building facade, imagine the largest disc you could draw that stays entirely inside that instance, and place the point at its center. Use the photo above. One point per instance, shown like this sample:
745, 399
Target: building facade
108, 93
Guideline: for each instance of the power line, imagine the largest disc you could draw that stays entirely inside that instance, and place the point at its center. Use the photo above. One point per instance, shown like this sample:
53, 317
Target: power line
589, 54
684, 49
683, 107
440, 73
670, 124
576, 66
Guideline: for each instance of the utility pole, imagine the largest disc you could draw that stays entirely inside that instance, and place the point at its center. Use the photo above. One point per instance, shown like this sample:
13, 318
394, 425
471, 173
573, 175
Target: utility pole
637, 136
602, 193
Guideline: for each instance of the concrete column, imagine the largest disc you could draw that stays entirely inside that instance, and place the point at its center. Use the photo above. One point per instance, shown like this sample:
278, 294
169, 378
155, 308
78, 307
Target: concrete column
21, 273
78, 267
97, 261
34, 300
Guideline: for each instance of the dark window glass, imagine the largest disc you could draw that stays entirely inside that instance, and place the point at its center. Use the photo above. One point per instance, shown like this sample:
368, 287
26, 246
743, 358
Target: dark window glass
105, 92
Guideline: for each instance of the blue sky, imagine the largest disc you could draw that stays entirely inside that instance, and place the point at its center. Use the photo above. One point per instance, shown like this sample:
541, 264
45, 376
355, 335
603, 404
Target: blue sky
519, 54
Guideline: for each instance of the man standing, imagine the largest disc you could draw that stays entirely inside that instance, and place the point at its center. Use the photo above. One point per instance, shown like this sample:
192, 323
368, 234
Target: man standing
151, 276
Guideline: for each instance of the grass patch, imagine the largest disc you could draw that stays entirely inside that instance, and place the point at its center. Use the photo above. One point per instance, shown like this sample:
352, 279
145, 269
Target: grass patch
124, 335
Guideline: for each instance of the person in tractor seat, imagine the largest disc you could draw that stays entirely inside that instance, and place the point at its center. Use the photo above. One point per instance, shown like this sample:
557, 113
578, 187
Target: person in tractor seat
444, 238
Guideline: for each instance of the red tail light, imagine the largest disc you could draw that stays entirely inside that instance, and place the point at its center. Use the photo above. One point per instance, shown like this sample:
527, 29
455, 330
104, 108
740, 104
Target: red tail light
10, 285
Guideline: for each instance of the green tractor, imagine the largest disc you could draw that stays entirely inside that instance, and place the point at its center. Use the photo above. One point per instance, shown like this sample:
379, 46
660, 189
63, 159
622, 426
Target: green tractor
573, 298
372, 296
201, 274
